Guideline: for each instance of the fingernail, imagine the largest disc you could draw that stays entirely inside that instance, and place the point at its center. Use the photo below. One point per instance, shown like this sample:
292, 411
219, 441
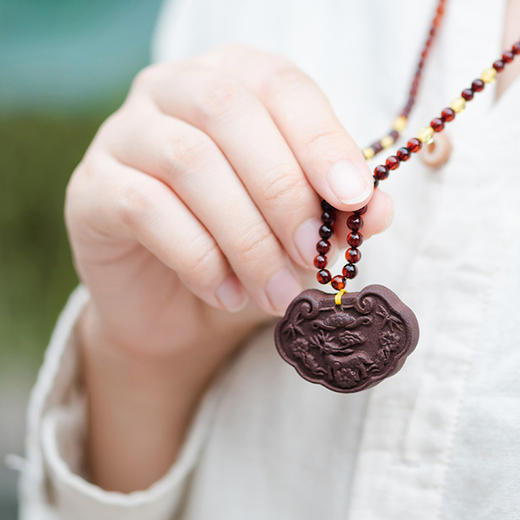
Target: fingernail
231, 294
305, 238
350, 184
281, 289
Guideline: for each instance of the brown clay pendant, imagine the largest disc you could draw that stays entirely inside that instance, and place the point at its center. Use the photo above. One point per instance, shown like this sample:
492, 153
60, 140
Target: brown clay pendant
350, 343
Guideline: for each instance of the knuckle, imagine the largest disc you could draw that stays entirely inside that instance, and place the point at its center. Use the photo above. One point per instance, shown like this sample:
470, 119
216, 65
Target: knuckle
326, 139
145, 77
219, 96
132, 206
282, 185
185, 150
111, 126
205, 264
255, 243
285, 77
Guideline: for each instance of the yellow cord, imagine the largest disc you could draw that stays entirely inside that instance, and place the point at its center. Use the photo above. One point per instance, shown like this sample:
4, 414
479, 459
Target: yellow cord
337, 298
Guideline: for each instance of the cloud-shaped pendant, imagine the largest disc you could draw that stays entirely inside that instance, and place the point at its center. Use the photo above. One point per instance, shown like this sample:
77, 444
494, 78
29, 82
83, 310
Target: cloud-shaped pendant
347, 347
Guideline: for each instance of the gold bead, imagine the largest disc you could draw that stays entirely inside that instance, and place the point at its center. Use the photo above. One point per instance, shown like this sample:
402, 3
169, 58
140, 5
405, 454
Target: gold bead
488, 75
399, 123
458, 104
368, 153
425, 135
387, 141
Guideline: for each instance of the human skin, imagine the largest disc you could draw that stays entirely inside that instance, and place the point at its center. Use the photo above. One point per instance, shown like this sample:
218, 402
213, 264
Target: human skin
193, 218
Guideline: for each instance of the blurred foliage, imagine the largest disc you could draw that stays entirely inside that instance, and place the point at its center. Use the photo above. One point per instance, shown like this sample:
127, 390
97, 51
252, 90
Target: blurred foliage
66, 64
39, 152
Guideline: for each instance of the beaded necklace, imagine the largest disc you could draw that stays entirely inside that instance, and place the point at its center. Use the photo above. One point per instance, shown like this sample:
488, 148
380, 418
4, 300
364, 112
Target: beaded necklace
348, 342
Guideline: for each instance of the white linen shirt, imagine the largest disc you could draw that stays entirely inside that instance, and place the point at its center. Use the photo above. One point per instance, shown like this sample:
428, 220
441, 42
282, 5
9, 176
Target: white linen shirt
440, 440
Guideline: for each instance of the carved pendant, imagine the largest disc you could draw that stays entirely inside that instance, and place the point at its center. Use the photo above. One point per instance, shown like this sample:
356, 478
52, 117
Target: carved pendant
347, 347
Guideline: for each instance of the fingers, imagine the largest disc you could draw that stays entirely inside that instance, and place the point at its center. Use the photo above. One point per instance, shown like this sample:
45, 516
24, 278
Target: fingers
243, 129
130, 205
190, 163
328, 155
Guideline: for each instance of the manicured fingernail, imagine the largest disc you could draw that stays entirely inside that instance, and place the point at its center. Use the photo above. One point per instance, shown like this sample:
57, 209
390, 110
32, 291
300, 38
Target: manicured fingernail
231, 294
305, 238
281, 289
350, 184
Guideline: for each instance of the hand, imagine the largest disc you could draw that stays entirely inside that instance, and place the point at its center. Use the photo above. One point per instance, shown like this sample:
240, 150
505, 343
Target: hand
201, 191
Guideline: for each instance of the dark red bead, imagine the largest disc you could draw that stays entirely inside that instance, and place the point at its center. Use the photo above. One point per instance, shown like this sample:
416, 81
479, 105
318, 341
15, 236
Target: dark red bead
361, 211
499, 65
325, 206
323, 247
403, 154
467, 94
338, 282
392, 163
508, 57
354, 222
448, 114
515, 49
320, 261
394, 134
323, 276
354, 239
353, 255
327, 217
437, 124
349, 271
325, 231
414, 145
477, 85
381, 172
377, 147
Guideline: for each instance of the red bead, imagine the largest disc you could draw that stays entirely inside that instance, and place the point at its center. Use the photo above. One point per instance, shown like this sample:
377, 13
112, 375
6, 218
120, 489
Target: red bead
515, 49
354, 239
403, 154
377, 147
392, 163
448, 114
437, 124
325, 231
508, 57
325, 206
323, 247
414, 145
349, 271
320, 261
361, 211
353, 255
328, 217
477, 85
499, 65
323, 276
467, 94
381, 172
338, 282
355, 222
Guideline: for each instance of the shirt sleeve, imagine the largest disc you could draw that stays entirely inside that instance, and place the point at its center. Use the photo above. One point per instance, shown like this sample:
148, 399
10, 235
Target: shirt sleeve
53, 484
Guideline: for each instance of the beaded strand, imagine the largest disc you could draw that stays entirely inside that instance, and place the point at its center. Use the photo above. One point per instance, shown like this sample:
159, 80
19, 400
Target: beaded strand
399, 123
382, 171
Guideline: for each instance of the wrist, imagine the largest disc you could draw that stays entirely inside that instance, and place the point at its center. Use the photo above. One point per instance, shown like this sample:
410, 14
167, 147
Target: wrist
139, 407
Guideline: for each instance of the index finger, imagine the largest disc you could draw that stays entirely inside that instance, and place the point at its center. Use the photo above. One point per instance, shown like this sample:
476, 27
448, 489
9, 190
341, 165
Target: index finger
328, 155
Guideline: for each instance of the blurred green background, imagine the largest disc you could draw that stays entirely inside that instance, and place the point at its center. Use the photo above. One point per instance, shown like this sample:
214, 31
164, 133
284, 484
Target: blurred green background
64, 66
